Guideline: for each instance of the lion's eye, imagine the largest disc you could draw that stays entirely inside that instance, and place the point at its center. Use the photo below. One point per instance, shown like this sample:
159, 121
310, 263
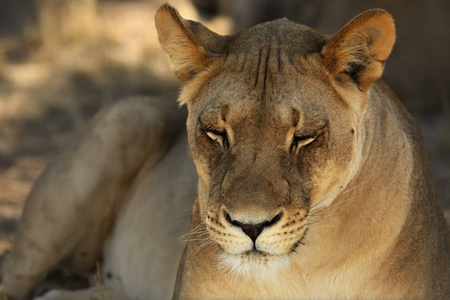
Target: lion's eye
219, 137
301, 141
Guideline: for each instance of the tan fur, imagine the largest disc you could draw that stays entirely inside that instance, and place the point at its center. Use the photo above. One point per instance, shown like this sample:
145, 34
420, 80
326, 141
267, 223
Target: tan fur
312, 178
363, 204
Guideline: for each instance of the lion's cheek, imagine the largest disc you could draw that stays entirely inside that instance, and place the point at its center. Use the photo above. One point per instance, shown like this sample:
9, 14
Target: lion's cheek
325, 184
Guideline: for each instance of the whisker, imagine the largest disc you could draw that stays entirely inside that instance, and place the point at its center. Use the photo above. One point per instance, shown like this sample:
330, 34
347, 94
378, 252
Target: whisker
312, 228
331, 213
202, 245
190, 214
313, 209
330, 208
323, 199
189, 237
199, 229
193, 240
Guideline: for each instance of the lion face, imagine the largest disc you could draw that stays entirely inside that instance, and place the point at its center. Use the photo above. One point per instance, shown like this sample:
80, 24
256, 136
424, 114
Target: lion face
274, 126
267, 153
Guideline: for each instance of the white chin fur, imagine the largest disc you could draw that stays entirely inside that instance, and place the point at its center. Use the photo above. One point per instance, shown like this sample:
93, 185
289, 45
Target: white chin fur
253, 266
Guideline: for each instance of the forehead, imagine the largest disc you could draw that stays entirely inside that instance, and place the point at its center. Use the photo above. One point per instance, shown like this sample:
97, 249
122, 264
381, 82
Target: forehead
269, 70
279, 87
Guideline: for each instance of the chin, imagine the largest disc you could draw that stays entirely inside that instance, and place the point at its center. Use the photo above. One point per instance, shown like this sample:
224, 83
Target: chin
253, 265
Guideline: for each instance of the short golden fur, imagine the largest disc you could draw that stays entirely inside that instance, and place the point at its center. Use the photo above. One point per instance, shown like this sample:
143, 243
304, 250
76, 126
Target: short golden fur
295, 138
313, 182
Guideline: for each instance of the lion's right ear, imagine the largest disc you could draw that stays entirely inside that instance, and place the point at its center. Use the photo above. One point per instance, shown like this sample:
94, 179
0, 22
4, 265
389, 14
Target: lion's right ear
186, 42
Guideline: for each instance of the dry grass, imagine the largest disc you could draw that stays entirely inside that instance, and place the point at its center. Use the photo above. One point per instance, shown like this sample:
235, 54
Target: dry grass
62, 22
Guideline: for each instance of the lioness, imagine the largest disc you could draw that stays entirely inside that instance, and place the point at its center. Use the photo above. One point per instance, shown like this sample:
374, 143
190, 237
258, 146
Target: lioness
312, 178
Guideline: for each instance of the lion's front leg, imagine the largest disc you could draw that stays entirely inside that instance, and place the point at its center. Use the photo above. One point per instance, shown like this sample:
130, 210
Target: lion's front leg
73, 205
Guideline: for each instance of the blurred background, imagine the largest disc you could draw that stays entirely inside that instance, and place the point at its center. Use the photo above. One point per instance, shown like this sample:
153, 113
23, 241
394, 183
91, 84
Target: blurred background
62, 60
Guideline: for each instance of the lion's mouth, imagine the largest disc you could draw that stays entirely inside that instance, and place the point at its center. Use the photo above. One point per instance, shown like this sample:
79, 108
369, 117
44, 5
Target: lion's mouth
261, 259
282, 235
256, 253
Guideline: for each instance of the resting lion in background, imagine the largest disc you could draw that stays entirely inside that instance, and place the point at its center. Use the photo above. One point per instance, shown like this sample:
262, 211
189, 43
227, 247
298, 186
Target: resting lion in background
309, 177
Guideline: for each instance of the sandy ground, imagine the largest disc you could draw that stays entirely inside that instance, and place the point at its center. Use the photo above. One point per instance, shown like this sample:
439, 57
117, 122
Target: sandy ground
52, 82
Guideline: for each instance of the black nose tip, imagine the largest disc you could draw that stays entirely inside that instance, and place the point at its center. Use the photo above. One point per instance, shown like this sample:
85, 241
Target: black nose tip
253, 230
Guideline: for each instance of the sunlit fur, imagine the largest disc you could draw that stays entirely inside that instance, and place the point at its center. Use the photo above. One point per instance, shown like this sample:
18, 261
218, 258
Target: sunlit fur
347, 199
253, 266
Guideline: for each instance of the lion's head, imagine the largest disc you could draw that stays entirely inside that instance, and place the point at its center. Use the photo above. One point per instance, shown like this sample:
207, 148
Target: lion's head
274, 125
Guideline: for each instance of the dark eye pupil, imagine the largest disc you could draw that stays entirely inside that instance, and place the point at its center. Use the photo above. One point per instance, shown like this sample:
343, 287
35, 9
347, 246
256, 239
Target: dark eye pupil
225, 140
294, 145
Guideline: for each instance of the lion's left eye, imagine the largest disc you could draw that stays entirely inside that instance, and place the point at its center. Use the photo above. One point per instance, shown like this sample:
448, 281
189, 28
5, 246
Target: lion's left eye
301, 141
219, 137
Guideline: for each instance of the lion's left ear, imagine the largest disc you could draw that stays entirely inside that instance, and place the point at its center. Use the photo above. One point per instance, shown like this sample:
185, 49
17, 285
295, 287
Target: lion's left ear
358, 51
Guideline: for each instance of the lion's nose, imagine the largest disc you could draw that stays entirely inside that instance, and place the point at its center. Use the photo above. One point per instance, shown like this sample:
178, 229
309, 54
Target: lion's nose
253, 230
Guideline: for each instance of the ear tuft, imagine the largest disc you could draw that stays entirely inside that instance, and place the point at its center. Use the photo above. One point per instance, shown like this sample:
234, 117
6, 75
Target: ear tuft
358, 51
187, 56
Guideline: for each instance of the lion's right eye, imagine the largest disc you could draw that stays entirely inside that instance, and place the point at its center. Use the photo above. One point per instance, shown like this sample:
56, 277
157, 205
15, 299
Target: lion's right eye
219, 137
